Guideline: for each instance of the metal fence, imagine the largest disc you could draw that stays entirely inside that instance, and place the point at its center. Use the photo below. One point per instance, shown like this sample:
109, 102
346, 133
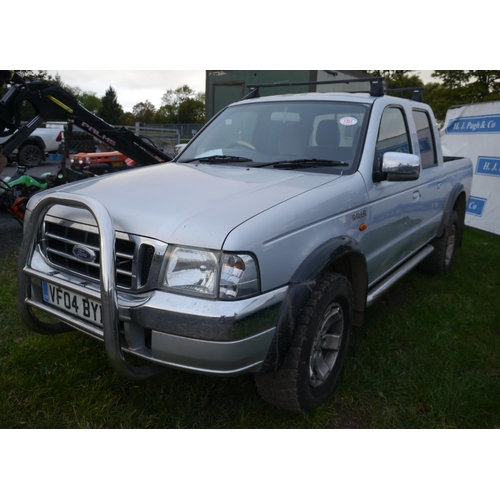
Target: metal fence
186, 131
168, 134
160, 136
165, 136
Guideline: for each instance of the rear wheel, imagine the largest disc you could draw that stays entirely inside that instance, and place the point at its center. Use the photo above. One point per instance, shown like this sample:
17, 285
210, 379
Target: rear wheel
30, 155
318, 350
441, 260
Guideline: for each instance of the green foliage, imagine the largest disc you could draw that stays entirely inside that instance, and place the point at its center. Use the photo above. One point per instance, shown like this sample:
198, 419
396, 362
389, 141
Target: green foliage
454, 87
462, 87
175, 97
39, 75
451, 78
144, 112
191, 111
111, 111
428, 356
128, 119
399, 78
90, 101
182, 105
440, 99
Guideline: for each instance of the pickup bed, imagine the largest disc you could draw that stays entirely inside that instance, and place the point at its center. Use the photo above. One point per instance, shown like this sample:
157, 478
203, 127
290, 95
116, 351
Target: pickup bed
258, 249
34, 149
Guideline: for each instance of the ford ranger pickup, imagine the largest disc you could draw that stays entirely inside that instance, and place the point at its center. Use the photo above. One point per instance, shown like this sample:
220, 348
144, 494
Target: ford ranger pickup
257, 249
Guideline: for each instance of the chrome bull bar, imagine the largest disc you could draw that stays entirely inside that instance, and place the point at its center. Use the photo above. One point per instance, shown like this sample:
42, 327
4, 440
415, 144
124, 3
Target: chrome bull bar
108, 295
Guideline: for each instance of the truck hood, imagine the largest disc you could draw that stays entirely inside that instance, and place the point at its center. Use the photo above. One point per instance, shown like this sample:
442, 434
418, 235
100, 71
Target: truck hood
185, 204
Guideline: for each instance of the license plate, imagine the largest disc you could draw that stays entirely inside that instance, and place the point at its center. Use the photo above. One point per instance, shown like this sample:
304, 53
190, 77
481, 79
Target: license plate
73, 303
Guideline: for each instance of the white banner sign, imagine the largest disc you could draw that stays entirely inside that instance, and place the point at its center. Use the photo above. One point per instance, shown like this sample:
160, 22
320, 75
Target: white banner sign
474, 131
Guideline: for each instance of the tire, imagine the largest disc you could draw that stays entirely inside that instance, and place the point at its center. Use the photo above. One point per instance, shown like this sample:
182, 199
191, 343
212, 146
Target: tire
441, 260
82, 142
319, 347
83, 146
30, 155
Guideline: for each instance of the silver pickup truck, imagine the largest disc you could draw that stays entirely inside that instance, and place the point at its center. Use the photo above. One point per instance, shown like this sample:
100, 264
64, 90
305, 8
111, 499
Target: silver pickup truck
258, 249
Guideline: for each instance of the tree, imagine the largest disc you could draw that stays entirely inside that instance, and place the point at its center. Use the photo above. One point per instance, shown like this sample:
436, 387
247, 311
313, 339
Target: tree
128, 119
182, 105
111, 111
399, 78
175, 97
144, 112
451, 78
455, 87
37, 74
471, 85
461, 87
440, 99
192, 111
90, 101
58, 81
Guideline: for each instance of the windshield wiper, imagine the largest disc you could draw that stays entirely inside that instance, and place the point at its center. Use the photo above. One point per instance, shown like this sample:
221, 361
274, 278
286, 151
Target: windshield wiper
309, 163
218, 159
305, 163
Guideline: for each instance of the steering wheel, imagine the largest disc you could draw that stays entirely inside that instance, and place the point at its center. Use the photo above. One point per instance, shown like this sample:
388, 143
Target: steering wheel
242, 143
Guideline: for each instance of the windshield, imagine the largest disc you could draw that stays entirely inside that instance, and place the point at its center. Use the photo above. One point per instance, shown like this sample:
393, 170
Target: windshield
270, 133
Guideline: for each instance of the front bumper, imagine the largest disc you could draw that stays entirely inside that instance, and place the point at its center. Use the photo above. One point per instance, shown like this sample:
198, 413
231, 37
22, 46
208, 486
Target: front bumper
193, 334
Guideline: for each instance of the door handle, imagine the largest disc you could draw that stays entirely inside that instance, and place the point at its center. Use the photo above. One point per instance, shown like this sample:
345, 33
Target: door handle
416, 195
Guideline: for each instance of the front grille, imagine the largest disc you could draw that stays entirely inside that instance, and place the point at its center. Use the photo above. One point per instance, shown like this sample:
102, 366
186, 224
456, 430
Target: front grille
133, 262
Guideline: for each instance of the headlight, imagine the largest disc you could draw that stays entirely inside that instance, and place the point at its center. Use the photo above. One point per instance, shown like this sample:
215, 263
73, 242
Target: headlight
192, 271
211, 274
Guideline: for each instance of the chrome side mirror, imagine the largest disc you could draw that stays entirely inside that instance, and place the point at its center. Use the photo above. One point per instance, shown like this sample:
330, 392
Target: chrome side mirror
401, 167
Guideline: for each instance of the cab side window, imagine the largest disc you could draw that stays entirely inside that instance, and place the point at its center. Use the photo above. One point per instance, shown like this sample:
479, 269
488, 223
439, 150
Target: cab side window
426, 142
393, 135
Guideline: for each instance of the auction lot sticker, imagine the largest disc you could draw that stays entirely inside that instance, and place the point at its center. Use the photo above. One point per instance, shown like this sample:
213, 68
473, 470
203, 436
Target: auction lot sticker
348, 121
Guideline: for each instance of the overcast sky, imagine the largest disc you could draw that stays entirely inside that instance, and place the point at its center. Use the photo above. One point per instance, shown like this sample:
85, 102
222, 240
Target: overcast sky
134, 86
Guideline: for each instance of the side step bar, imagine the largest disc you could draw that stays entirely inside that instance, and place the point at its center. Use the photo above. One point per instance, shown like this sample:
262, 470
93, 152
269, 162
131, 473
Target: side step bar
375, 293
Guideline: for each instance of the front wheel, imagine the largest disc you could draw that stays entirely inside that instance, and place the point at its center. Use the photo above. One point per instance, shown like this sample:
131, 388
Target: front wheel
318, 350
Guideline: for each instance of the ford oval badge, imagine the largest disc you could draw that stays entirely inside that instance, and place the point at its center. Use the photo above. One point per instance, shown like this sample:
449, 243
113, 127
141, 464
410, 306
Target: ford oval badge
84, 254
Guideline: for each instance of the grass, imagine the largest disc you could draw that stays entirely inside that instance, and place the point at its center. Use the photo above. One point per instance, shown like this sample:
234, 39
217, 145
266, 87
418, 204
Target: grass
427, 357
